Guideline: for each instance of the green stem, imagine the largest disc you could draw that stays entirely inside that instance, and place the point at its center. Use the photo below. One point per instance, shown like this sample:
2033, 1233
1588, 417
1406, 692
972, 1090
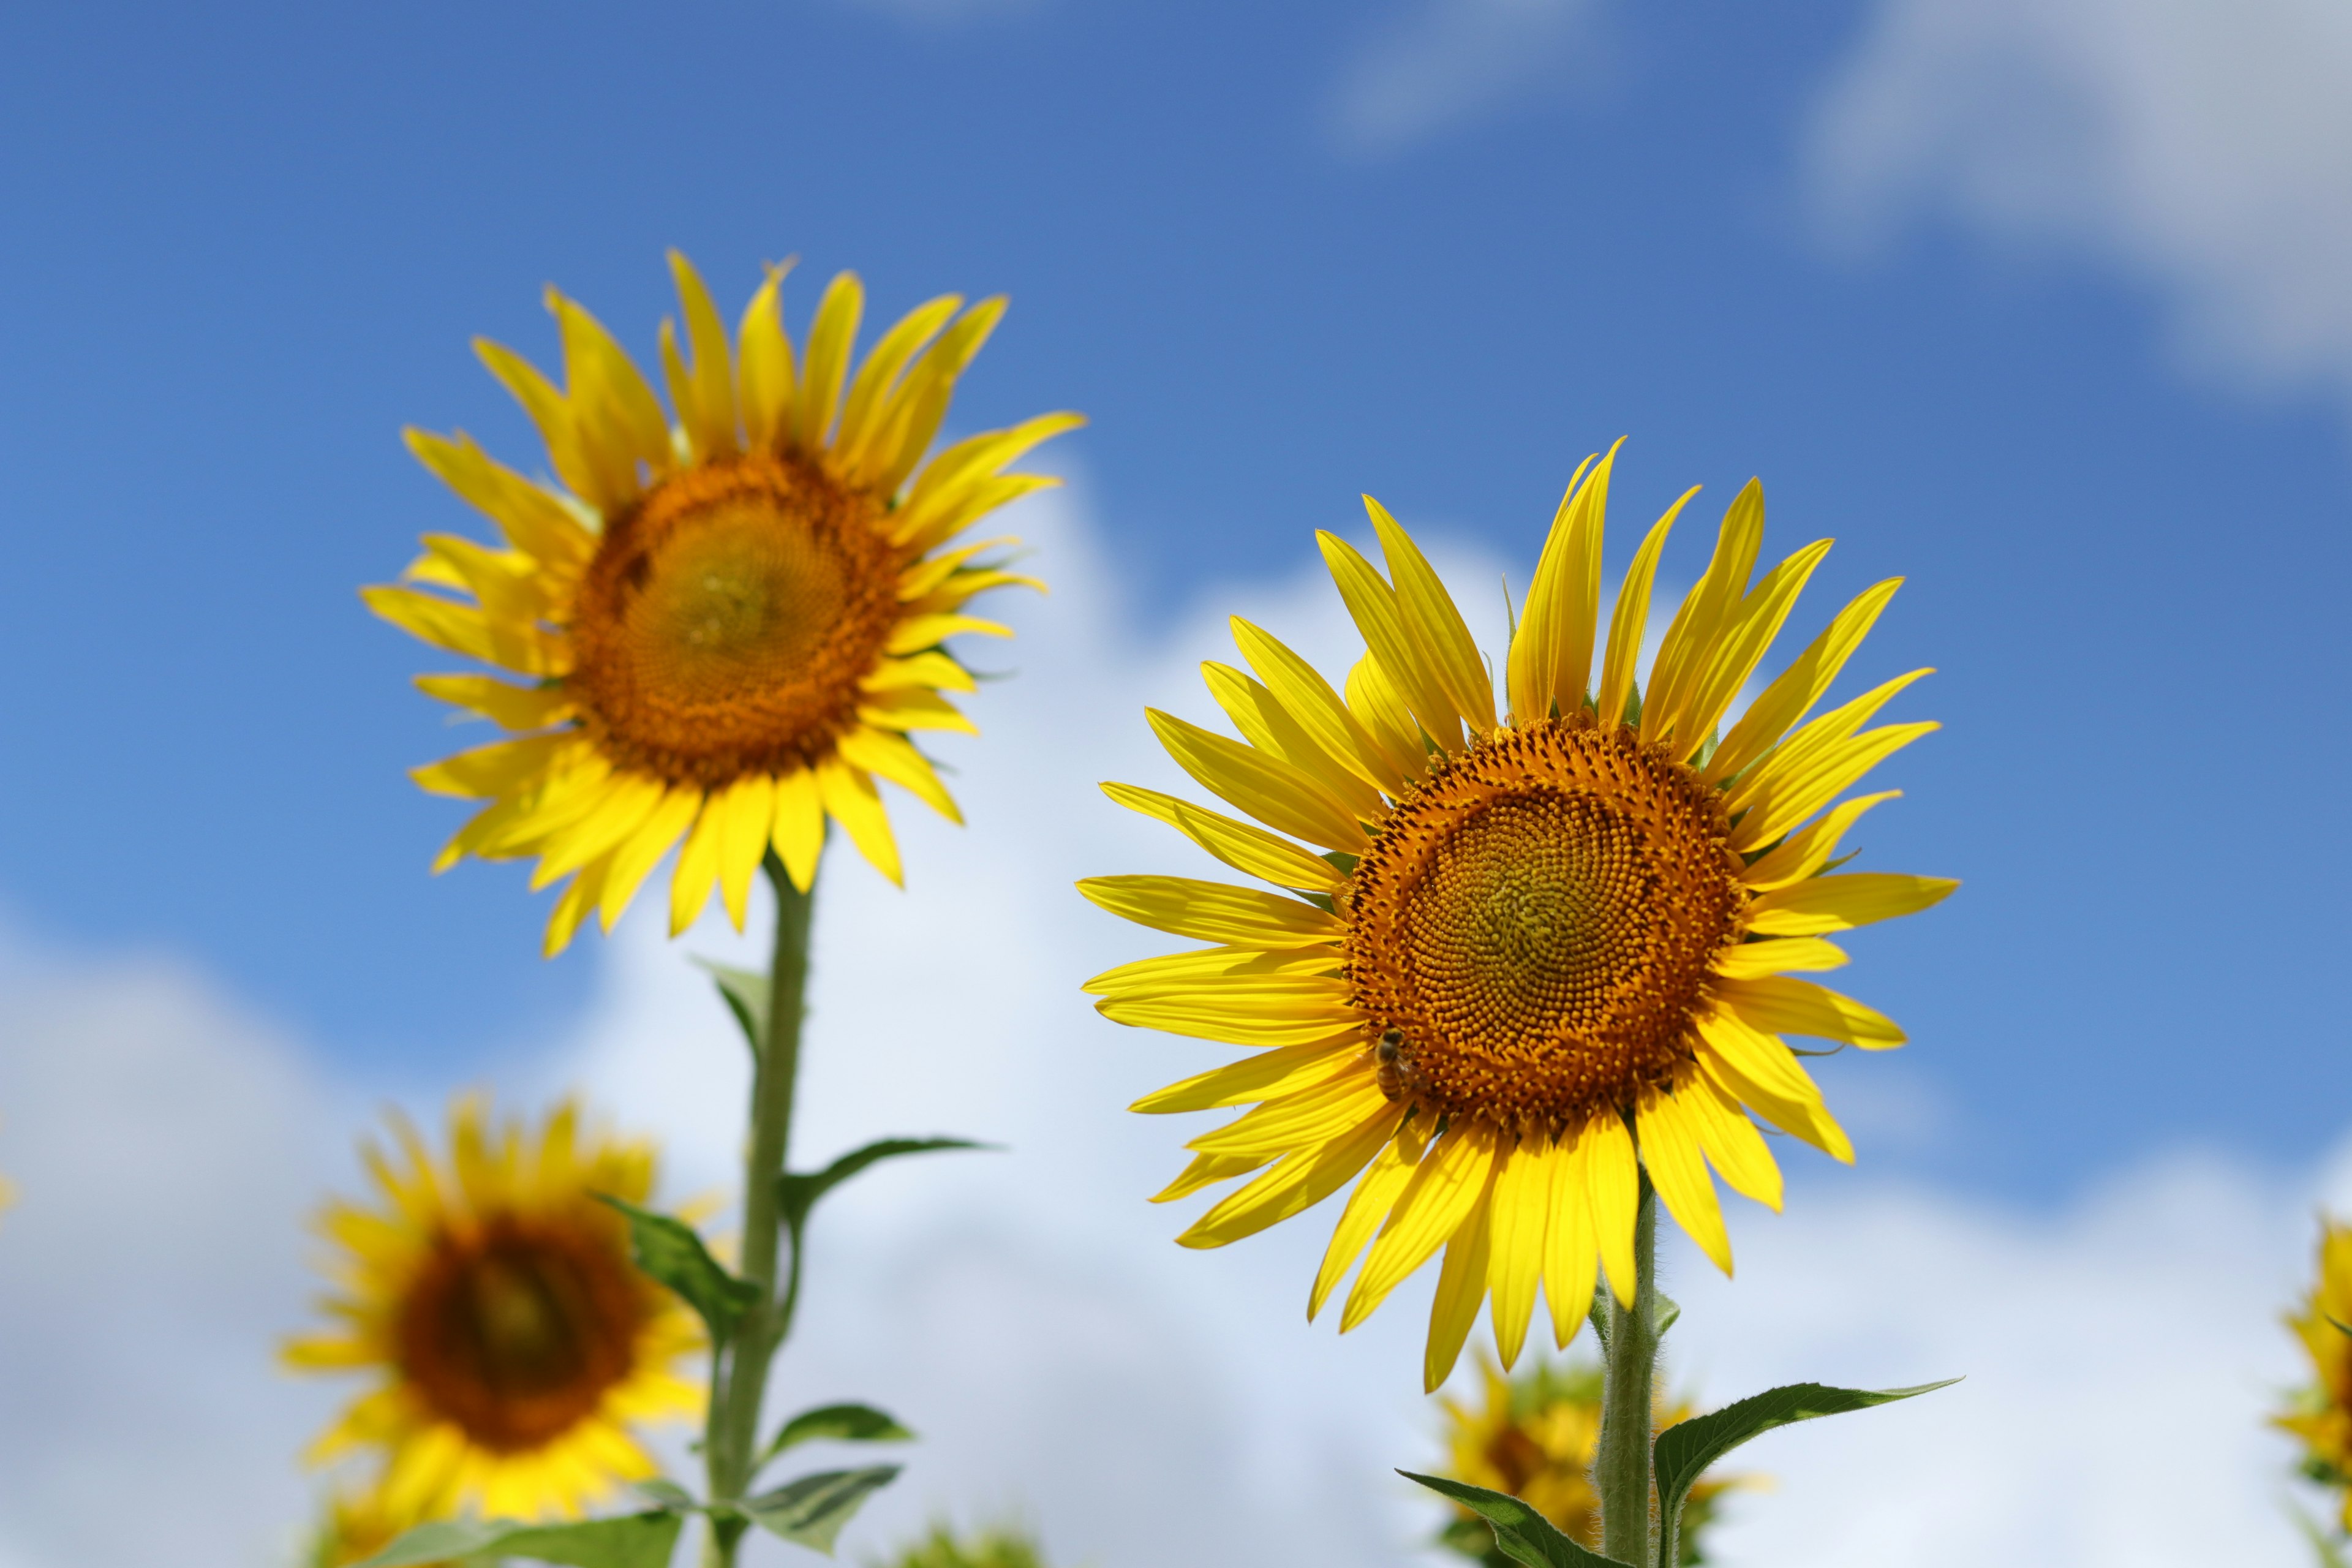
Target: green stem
731, 1437
1621, 1471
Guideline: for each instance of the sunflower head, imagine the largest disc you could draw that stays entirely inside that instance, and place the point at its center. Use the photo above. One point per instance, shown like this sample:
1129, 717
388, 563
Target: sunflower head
1517, 949
2320, 1414
490, 1296
727, 617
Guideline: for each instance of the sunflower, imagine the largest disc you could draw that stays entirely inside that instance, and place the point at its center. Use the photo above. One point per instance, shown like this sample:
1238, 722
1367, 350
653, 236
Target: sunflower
1535, 1437
356, 1527
1539, 954
2322, 1414
513, 1341
725, 625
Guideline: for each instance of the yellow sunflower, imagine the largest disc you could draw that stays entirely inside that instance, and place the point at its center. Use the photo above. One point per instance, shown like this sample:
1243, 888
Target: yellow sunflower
1535, 1436
1539, 952
725, 627
512, 1340
2322, 1414
356, 1527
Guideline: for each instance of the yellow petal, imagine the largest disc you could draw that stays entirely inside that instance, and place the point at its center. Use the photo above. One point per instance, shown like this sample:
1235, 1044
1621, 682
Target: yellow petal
1311, 1116
851, 799
551, 411
918, 633
766, 380
1784, 1006
1297, 1182
920, 406
949, 485
698, 868
1268, 1076
573, 906
1519, 1218
1319, 710
1277, 792
1373, 700
1808, 745
1755, 960
1372, 604
1368, 1205
1841, 902
1631, 618
1794, 793
894, 757
1248, 849
1670, 1152
1570, 1260
510, 707
1236, 1022
1691, 638
800, 826
1793, 693
868, 394
626, 801
830, 337
491, 770
1207, 1170
1761, 1073
746, 815
1732, 1144
1150, 974
1212, 912
533, 520
463, 630
1551, 662
1440, 640
1461, 1286
1613, 1188
937, 671
1805, 852
1271, 729
704, 393
1446, 1184
1745, 640
618, 418
637, 856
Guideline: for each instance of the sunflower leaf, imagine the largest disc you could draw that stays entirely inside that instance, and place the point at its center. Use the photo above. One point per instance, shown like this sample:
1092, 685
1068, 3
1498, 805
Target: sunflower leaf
1521, 1533
798, 1191
669, 1494
839, 1423
668, 1250
810, 1510
631, 1541
1686, 1449
745, 992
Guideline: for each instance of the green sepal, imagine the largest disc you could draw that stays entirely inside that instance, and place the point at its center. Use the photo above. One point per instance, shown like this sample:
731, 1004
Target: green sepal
668, 1249
2341, 1327
1597, 1315
631, 1541
1684, 1450
839, 1423
745, 992
1670, 1312
810, 1510
1524, 1535
2322, 1547
798, 1191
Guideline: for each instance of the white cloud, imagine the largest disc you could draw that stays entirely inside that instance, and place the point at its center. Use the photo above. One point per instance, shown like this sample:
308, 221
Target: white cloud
1447, 62
1148, 1407
2204, 150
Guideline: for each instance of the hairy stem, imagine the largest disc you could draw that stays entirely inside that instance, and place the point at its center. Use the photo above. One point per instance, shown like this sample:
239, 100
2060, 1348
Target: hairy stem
1621, 1471
732, 1434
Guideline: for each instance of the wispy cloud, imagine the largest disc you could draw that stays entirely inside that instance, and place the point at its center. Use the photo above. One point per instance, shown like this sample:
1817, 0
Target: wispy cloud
1446, 63
2204, 151
1151, 1407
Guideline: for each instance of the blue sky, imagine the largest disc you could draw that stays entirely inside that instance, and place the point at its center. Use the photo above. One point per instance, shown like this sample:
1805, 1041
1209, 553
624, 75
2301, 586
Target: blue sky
1437, 250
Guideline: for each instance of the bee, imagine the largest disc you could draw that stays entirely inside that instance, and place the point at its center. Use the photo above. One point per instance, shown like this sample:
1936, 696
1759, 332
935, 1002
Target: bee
1389, 1054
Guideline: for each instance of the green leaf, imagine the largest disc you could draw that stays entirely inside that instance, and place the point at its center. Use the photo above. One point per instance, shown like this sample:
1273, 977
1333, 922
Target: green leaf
745, 992
632, 1540
668, 1249
810, 1510
839, 1423
1524, 1535
2322, 1546
670, 1495
797, 1191
1686, 1449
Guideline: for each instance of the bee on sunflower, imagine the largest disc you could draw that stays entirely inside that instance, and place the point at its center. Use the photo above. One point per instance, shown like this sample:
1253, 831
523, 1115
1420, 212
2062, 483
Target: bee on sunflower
1522, 968
514, 1348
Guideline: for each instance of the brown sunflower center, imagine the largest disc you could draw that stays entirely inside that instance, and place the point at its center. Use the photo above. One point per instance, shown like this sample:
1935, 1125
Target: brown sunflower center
728, 617
1535, 923
516, 1333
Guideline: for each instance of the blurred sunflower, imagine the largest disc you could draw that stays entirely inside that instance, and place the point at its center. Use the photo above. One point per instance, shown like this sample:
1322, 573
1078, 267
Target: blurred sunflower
2321, 1414
513, 1341
1540, 952
356, 1527
1535, 1437
727, 626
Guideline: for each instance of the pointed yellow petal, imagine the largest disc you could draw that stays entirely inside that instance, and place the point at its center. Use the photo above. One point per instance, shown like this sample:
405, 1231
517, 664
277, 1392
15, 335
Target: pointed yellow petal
1746, 639
637, 855
705, 394
1368, 1205
577, 899
1670, 1153
1212, 912
1613, 1188
510, 707
1519, 1218
1784, 1006
766, 382
1461, 1286
1297, 1182
1269, 1076
830, 341
552, 412
494, 769
1270, 728
920, 406
1552, 652
1248, 849
1793, 794
1805, 749
626, 801
616, 412
1756, 1068
851, 799
533, 520
1373, 700
1805, 852
800, 826
1698, 622
1235, 1021
1572, 1263
1446, 1184
1841, 902
698, 868
1318, 1114
1732, 1144
1207, 1170
1755, 960
894, 757
868, 393
1151, 974
1433, 623
1319, 710
1277, 792
1631, 618
747, 815
1792, 694
946, 495
1372, 604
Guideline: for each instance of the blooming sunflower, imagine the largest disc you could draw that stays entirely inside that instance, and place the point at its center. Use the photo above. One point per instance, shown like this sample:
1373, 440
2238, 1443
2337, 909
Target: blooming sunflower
726, 625
2322, 1414
356, 1527
1535, 1437
1540, 952
513, 1340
